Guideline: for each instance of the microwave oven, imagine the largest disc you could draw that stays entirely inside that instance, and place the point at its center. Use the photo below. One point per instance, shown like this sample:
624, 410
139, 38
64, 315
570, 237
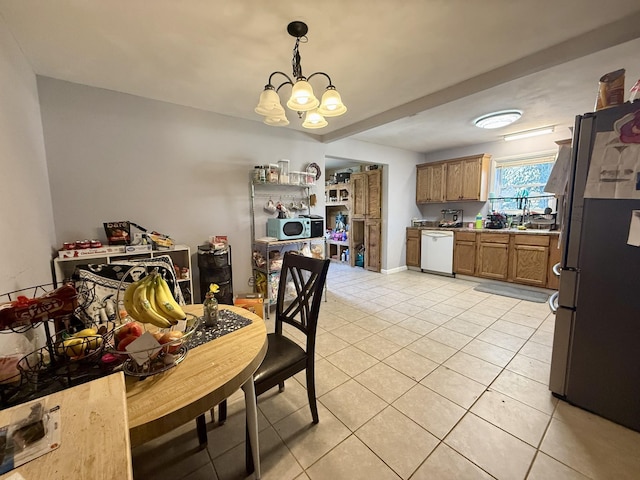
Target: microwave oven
289, 228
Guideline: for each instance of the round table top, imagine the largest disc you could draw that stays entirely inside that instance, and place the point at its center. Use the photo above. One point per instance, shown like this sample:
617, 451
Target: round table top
210, 373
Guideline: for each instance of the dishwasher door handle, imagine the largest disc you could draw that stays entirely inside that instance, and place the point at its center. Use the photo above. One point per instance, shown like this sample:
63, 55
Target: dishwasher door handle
436, 234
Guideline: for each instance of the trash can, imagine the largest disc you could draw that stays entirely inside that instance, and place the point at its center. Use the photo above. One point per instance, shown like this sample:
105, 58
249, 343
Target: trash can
214, 266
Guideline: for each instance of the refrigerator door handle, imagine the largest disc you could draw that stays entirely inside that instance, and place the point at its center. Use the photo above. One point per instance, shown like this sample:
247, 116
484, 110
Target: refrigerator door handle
553, 302
556, 269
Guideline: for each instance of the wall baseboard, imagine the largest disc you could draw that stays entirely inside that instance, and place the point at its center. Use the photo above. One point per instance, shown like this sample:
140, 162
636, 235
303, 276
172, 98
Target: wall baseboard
394, 270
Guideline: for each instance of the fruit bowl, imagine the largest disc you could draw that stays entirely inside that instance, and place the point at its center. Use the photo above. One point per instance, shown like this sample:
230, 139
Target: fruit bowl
148, 350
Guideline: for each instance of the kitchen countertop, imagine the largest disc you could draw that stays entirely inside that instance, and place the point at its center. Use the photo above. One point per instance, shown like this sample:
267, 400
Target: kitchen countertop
493, 230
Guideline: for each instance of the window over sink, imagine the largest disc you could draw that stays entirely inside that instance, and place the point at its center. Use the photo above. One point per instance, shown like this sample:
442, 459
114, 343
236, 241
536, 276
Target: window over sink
521, 176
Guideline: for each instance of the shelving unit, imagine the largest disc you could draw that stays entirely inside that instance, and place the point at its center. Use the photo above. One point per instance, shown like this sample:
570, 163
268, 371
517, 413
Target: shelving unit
338, 200
63, 268
266, 271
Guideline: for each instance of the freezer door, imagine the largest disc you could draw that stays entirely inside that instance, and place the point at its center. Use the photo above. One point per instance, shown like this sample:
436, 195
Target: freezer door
561, 348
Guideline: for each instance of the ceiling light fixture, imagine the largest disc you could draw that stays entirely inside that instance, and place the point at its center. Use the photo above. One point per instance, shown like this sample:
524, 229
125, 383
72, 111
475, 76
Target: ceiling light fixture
302, 98
528, 133
497, 119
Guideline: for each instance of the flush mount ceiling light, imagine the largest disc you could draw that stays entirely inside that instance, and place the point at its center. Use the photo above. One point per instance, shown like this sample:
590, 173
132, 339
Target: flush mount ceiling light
497, 119
528, 133
302, 99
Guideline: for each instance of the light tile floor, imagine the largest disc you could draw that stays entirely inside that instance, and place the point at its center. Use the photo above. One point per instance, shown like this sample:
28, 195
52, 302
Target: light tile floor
418, 377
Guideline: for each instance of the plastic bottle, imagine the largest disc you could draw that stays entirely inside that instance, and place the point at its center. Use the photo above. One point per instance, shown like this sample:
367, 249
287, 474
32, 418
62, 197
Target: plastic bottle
343, 257
479, 220
346, 255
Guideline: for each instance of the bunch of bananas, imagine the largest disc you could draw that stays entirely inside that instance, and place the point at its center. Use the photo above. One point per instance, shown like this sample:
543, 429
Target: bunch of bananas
149, 300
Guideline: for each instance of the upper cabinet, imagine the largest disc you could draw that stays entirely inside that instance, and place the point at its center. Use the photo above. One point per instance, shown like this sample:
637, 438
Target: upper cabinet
430, 183
455, 180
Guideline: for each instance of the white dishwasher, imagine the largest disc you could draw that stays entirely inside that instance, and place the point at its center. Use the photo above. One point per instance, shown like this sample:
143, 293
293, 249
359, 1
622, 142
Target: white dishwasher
436, 251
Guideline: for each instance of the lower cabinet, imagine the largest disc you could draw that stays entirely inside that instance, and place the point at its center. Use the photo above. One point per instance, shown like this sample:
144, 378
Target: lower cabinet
413, 247
493, 256
529, 259
464, 253
555, 255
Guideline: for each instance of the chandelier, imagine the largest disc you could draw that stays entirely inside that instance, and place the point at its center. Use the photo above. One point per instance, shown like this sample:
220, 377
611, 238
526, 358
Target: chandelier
302, 99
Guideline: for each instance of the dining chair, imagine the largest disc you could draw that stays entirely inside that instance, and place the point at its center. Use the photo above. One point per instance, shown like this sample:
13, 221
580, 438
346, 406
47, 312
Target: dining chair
302, 281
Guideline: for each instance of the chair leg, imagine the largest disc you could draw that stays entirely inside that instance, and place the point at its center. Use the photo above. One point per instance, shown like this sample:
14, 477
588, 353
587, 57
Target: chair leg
281, 387
201, 427
248, 455
311, 393
222, 412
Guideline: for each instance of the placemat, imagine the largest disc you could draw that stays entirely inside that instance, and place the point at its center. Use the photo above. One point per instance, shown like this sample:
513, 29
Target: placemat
228, 322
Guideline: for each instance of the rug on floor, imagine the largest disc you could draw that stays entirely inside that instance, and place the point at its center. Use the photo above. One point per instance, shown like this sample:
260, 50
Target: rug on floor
511, 291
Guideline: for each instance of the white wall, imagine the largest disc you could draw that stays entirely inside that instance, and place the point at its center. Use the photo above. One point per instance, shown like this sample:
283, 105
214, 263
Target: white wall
184, 171
26, 219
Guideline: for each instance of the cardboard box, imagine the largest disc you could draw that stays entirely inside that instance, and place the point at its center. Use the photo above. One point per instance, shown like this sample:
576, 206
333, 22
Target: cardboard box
252, 302
88, 252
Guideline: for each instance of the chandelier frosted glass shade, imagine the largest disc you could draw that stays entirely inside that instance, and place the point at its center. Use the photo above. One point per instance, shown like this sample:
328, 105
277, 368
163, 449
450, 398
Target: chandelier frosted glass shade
497, 119
313, 119
269, 104
302, 97
331, 105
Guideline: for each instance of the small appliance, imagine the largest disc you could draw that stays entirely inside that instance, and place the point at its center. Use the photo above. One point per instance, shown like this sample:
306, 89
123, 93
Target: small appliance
317, 225
289, 228
451, 218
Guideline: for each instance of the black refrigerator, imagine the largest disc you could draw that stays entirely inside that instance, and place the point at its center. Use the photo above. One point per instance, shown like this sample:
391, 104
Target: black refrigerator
596, 347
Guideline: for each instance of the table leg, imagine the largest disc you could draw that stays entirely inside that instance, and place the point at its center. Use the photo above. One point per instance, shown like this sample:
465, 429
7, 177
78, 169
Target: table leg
252, 422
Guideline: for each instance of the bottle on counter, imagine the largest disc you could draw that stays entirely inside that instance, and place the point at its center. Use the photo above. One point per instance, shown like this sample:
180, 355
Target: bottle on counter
210, 310
479, 221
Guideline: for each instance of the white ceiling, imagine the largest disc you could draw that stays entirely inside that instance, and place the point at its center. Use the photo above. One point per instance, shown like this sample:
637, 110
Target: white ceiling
413, 74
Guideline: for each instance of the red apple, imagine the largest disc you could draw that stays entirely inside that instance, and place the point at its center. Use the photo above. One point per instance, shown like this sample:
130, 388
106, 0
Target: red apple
122, 344
130, 328
172, 336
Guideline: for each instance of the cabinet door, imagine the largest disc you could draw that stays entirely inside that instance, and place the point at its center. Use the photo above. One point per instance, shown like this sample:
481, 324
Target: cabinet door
453, 191
372, 237
529, 264
555, 255
423, 183
437, 183
493, 260
470, 179
358, 195
374, 194
413, 247
464, 257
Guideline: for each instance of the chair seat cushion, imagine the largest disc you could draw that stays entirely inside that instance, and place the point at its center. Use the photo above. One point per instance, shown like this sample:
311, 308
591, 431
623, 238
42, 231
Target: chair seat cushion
282, 353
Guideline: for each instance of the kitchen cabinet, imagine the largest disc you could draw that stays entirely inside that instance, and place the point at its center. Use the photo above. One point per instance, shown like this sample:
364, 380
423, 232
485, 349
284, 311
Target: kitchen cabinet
430, 183
555, 255
467, 178
366, 194
366, 209
464, 253
529, 259
493, 256
413, 247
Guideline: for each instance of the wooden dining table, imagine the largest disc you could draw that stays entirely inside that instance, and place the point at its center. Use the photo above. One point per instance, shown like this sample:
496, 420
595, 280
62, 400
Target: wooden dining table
210, 373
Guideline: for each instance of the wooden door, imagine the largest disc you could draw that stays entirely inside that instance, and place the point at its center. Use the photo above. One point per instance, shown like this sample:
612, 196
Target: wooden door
413, 247
436, 186
373, 202
423, 184
470, 179
372, 236
493, 260
358, 195
453, 191
464, 253
555, 255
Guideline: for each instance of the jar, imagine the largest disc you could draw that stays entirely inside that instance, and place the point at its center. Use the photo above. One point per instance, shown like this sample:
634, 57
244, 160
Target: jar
210, 310
83, 244
259, 174
272, 175
283, 167
95, 244
68, 245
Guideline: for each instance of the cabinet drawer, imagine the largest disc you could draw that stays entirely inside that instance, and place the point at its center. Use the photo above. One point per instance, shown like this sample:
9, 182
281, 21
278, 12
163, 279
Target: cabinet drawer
465, 236
413, 233
536, 240
494, 237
